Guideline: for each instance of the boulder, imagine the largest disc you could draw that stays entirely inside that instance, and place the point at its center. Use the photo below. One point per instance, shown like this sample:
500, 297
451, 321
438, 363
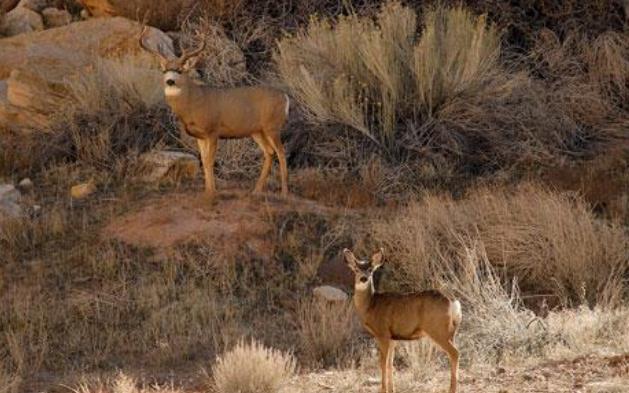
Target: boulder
38, 66
54, 17
10, 202
330, 294
159, 165
21, 20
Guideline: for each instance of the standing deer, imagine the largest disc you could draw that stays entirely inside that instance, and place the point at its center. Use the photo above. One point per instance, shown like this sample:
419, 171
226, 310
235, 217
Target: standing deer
389, 317
209, 114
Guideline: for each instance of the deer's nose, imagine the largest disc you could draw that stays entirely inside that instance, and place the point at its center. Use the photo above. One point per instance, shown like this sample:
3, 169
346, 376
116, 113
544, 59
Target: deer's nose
363, 279
170, 82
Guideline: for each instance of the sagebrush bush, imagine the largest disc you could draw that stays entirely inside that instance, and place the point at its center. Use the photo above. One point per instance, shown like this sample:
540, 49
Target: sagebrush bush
447, 92
252, 368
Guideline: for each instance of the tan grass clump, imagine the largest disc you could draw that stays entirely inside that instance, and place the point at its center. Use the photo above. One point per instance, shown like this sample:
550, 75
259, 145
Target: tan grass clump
551, 243
327, 333
368, 74
252, 368
353, 71
457, 52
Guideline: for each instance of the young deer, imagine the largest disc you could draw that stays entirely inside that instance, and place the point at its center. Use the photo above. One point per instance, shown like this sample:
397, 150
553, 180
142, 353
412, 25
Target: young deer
389, 317
209, 114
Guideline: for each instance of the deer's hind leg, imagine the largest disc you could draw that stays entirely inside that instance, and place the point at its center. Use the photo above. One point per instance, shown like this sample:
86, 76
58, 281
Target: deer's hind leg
276, 143
267, 150
446, 342
390, 357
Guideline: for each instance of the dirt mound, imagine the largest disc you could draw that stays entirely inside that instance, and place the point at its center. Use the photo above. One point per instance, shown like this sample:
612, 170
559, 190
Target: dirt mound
231, 218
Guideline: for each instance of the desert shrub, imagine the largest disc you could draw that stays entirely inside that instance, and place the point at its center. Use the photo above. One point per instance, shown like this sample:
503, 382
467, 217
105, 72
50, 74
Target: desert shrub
446, 95
111, 115
108, 115
252, 367
456, 53
328, 333
352, 72
551, 243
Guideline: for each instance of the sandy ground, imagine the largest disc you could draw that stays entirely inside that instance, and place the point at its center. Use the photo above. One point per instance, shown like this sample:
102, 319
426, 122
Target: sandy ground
600, 374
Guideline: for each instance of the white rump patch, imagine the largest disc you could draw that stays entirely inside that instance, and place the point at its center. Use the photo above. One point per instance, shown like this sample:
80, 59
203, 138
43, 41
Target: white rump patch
172, 91
287, 104
456, 309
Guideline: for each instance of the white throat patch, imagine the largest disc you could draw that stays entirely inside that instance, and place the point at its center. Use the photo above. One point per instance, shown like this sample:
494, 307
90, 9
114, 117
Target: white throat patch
172, 91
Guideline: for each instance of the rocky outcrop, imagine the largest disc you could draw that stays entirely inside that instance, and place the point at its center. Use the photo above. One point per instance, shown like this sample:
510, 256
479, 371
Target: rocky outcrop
37, 67
19, 21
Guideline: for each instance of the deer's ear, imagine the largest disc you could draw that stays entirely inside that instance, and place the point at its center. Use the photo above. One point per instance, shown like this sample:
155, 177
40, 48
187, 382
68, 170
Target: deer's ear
377, 259
350, 259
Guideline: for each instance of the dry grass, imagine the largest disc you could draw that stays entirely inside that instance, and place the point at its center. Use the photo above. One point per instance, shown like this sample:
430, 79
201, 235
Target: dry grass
252, 368
327, 333
121, 383
551, 243
353, 71
456, 53
451, 96
106, 118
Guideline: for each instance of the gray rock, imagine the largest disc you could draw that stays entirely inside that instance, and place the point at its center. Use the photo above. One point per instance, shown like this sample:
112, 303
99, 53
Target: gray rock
21, 20
330, 294
10, 202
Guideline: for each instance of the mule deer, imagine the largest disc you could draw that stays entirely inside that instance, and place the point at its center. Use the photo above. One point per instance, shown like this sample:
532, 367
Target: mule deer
209, 114
389, 317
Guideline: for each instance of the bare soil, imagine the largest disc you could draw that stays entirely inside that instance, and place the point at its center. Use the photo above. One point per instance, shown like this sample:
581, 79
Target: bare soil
592, 373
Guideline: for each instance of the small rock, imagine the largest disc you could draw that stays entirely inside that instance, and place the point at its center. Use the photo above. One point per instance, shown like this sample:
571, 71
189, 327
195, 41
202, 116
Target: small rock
83, 190
329, 294
21, 20
10, 202
168, 165
85, 14
54, 17
25, 184
501, 370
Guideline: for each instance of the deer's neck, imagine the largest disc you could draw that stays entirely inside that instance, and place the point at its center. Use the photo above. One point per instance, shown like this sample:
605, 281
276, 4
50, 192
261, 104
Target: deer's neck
178, 101
363, 298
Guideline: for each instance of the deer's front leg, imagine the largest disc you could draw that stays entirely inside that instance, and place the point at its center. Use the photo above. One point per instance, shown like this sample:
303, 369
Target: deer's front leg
383, 346
207, 150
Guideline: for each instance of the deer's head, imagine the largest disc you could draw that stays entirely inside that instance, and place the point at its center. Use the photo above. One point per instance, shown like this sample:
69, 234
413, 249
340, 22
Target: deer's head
363, 269
175, 70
